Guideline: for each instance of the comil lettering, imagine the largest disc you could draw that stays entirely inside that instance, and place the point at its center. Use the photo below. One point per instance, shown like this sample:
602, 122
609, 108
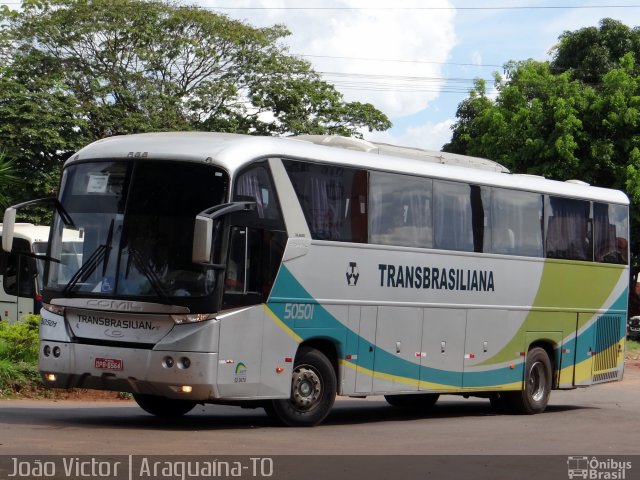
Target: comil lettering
436, 278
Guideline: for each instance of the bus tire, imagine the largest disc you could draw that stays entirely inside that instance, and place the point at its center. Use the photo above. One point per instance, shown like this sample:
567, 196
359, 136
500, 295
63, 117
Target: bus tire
313, 391
538, 377
162, 406
418, 401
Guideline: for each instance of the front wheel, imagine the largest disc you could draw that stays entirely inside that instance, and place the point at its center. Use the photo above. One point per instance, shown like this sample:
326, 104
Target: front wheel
537, 384
162, 406
313, 391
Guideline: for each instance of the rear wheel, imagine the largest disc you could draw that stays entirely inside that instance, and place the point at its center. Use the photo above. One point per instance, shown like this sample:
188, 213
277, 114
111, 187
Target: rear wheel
313, 391
419, 401
162, 406
537, 384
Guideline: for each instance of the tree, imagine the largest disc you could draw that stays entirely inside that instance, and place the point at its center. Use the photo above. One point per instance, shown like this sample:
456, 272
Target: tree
576, 116
7, 179
73, 71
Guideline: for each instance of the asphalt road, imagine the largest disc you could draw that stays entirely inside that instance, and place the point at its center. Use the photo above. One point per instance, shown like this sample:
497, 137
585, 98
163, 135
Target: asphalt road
604, 419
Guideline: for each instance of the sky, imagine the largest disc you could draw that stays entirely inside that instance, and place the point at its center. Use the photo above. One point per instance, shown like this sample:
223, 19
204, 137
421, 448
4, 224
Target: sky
415, 60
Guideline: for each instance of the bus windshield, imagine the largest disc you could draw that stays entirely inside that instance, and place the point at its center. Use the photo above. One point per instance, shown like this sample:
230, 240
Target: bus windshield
136, 220
70, 257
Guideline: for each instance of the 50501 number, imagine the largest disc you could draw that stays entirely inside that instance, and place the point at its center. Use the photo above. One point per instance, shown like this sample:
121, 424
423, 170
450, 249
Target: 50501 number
298, 311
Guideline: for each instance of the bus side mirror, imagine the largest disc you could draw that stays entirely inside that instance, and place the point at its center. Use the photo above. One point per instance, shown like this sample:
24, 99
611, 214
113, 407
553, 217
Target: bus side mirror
202, 232
8, 227
203, 228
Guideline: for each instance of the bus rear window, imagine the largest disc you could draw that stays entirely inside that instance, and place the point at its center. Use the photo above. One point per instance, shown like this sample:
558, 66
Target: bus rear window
610, 233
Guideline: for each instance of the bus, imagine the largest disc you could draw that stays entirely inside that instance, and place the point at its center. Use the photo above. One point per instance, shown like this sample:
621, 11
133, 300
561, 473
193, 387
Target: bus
21, 275
277, 273
23, 269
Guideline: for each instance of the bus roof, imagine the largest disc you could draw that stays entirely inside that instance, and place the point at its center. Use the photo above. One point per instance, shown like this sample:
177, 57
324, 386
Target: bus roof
234, 151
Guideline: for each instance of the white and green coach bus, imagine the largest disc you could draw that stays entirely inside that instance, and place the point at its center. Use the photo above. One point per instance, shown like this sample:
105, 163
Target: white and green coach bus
280, 272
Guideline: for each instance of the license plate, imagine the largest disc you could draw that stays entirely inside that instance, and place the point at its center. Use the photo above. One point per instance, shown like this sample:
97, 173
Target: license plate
108, 364
634, 329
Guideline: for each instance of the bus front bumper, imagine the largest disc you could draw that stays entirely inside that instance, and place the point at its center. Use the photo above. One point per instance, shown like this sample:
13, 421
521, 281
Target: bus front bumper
179, 375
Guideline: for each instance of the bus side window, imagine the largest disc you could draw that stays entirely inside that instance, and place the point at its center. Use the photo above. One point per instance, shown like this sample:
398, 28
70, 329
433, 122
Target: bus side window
461, 216
611, 233
19, 272
237, 261
516, 222
400, 210
333, 199
568, 229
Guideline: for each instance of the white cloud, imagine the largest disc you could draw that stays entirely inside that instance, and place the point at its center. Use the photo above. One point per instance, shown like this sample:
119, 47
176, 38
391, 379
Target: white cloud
367, 33
430, 136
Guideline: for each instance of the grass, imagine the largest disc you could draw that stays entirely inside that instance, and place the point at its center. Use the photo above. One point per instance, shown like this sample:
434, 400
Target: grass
20, 378
633, 349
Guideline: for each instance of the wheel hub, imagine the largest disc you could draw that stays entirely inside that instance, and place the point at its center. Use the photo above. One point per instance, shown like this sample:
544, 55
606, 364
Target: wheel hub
537, 381
306, 388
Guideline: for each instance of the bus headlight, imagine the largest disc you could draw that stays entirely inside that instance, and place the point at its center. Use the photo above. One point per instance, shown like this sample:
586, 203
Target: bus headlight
55, 309
192, 318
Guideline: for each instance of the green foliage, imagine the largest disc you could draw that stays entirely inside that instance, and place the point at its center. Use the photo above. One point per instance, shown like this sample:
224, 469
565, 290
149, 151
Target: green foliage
576, 116
73, 71
17, 376
7, 179
19, 345
19, 341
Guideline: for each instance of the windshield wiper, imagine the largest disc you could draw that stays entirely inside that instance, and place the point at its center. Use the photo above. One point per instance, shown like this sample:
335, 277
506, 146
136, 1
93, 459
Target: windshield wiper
142, 263
86, 269
99, 255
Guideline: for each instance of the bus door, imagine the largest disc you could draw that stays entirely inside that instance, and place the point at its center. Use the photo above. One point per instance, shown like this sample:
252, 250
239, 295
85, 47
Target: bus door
255, 245
19, 275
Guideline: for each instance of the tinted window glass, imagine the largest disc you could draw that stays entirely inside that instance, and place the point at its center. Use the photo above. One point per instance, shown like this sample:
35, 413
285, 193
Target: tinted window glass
400, 210
137, 222
19, 271
516, 223
333, 199
460, 216
568, 228
611, 233
255, 185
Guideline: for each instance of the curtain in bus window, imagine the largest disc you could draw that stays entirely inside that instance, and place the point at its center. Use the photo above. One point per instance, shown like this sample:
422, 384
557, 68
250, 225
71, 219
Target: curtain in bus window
333, 199
326, 193
248, 186
610, 233
568, 229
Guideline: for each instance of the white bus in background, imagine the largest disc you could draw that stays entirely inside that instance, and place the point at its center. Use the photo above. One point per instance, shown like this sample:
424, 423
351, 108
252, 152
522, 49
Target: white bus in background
276, 272
22, 272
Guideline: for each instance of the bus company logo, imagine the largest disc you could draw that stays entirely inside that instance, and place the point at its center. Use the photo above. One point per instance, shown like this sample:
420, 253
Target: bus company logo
353, 274
241, 373
125, 305
596, 469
